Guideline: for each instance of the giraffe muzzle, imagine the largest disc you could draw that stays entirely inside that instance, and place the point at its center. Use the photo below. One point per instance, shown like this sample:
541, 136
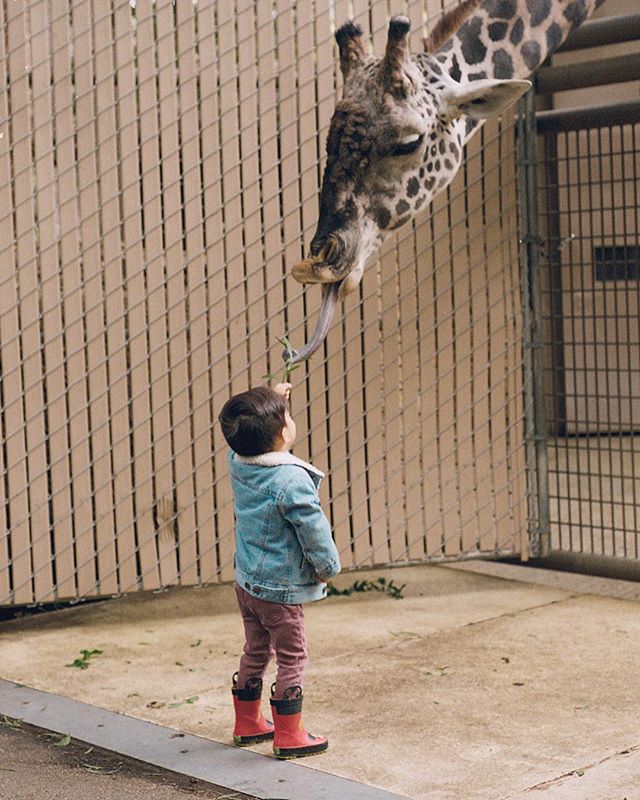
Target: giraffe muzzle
324, 266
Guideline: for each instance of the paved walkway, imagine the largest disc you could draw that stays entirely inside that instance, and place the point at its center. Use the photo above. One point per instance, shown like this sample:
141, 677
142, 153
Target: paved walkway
475, 686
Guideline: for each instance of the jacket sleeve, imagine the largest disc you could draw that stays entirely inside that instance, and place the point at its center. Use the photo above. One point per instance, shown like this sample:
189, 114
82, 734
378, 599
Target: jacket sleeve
300, 506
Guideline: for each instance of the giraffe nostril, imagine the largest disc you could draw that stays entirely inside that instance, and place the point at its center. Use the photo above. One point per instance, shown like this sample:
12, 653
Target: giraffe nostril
332, 250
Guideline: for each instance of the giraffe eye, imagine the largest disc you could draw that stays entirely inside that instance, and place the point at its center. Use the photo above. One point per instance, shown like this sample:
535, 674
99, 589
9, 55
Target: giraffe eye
408, 145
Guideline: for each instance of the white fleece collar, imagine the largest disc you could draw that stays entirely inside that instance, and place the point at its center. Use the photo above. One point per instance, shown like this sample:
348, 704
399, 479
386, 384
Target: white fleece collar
275, 459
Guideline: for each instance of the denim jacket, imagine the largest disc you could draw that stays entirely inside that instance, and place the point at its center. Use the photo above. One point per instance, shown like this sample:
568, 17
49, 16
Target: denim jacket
283, 539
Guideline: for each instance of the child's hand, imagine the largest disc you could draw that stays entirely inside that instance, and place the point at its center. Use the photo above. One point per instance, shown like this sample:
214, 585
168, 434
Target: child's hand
283, 389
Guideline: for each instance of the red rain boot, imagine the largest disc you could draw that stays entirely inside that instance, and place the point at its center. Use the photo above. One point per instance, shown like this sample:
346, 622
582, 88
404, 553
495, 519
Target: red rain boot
250, 727
291, 740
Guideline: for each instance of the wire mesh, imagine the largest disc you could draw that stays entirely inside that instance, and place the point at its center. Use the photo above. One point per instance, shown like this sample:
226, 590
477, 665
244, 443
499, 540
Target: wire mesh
591, 336
160, 166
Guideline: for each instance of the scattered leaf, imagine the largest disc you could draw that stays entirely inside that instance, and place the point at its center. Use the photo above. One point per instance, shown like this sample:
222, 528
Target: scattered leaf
11, 722
64, 742
406, 634
83, 663
197, 643
379, 585
96, 768
156, 704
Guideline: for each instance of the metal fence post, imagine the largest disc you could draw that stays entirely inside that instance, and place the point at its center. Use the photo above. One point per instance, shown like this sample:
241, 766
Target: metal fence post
530, 261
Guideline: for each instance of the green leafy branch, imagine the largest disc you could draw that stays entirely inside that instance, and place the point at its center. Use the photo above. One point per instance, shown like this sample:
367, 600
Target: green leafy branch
380, 585
289, 366
83, 663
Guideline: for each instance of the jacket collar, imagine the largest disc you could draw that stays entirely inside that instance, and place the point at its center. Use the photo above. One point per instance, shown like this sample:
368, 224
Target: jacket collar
275, 459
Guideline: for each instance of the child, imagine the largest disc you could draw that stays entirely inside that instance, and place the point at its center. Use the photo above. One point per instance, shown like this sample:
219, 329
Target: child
284, 555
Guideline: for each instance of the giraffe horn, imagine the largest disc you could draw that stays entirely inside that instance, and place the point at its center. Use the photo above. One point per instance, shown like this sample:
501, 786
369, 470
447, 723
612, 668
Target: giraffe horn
449, 24
349, 39
396, 57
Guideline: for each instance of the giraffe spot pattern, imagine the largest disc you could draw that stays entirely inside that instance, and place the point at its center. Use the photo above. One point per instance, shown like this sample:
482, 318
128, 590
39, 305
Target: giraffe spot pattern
412, 187
477, 76
539, 10
517, 32
454, 149
429, 184
576, 12
503, 9
531, 54
381, 216
502, 64
497, 31
473, 48
455, 71
402, 207
554, 37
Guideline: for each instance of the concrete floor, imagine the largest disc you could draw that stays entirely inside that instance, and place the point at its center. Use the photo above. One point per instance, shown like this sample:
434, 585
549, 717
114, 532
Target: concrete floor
472, 687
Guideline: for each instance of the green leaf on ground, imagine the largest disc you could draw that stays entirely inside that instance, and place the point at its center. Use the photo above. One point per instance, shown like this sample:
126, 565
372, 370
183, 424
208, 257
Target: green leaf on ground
83, 663
379, 585
64, 742
11, 722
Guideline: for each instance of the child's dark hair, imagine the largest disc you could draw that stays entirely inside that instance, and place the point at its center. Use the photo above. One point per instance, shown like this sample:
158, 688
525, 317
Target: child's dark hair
252, 421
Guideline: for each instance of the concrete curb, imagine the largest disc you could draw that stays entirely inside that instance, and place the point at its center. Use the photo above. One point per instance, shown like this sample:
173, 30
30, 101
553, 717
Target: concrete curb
567, 581
236, 769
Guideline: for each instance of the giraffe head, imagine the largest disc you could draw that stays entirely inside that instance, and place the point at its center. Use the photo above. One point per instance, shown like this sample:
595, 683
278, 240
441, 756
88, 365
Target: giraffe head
395, 141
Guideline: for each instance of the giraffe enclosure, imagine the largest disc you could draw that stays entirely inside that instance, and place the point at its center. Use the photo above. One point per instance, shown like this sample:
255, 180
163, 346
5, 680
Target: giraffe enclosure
161, 165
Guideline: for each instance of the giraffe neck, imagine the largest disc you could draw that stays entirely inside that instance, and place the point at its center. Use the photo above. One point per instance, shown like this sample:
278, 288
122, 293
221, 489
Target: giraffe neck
511, 38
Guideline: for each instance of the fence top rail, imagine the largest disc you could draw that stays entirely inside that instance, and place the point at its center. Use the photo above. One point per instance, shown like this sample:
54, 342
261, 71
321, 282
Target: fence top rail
608, 30
600, 116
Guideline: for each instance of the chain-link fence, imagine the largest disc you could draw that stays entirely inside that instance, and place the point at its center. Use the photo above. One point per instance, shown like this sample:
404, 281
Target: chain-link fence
160, 165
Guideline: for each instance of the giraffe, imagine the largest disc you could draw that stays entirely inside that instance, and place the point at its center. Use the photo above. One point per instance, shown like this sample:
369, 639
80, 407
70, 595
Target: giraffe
397, 135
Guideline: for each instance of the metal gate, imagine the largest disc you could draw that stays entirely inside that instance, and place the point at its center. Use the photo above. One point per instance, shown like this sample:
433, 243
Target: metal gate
582, 242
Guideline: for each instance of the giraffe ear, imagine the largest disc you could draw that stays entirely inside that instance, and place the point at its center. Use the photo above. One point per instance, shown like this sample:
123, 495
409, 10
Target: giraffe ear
349, 39
396, 58
482, 99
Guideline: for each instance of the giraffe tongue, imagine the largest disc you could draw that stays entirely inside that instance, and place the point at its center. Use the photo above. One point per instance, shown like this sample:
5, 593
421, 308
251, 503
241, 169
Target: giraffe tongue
330, 293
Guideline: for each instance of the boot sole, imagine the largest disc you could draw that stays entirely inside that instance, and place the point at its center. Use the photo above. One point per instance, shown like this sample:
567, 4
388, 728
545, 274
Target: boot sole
300, 752
243, 741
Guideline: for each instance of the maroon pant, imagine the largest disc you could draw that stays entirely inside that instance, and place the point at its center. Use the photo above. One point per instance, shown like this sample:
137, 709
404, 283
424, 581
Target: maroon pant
272, 628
